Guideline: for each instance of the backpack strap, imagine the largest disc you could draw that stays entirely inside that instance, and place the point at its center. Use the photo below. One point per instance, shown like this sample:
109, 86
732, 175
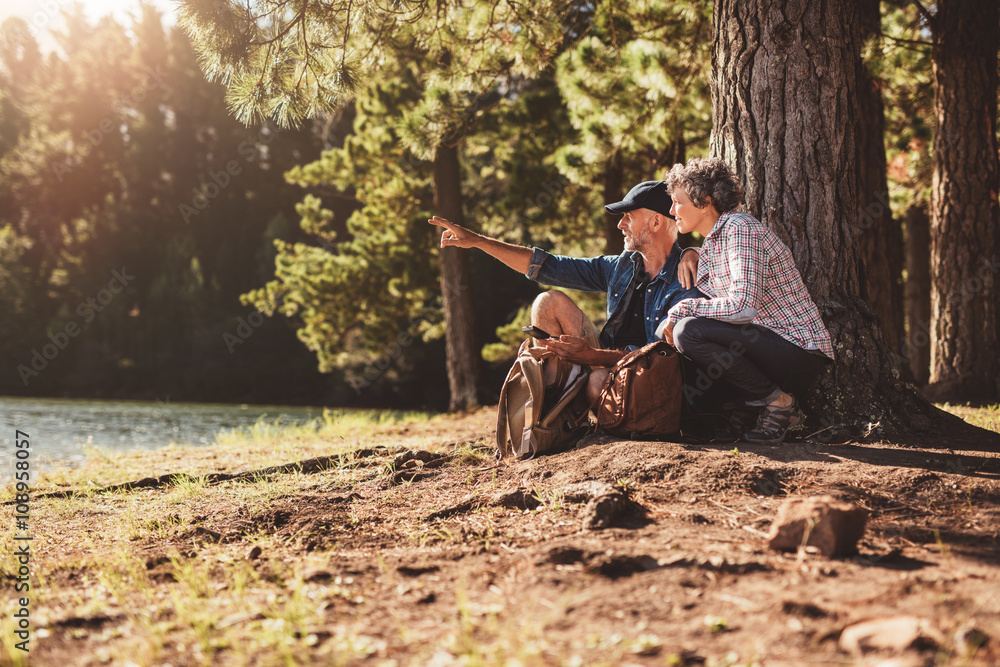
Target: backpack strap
502, 433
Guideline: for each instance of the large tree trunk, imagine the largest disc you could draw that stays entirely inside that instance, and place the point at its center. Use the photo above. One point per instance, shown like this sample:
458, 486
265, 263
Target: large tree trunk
614, 242
918, 293
880, 235
785, 102
456, 288
965, 241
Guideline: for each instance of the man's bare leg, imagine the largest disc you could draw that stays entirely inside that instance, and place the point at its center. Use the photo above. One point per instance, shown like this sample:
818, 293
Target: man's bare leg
595, 384
557, 314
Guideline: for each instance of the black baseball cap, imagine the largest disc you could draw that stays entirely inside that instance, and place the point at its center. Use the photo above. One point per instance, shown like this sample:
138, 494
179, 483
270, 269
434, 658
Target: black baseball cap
648, 194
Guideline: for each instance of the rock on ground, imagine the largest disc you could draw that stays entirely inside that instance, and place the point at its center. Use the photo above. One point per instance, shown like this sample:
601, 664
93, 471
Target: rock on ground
832, 526
895, 634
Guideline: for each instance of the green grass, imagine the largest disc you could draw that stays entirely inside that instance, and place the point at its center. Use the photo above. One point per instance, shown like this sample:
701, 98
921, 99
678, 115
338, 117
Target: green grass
340, 423
987, 417
93, 547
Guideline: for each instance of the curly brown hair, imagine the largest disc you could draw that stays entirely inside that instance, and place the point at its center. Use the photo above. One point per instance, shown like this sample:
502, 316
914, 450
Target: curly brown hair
704, 178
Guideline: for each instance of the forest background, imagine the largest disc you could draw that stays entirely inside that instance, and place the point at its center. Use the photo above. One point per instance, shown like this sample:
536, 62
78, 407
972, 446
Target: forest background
154, 244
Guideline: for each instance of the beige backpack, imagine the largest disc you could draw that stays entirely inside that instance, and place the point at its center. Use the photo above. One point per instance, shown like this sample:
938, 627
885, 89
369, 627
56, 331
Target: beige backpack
526, 425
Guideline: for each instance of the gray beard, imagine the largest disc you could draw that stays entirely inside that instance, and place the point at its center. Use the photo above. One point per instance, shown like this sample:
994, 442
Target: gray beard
637, 243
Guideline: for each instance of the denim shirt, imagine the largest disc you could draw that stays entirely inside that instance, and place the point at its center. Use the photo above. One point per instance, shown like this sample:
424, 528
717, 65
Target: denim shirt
614, 275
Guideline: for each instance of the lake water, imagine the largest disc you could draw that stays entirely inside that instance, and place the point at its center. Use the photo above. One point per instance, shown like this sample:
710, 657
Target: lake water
60, 430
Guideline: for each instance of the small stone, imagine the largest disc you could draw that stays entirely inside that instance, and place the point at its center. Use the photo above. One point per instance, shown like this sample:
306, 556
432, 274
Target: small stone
602, 512
894, 634
800, 608
586, 491
604, 508
413, 455
410, 476
157, 559
255, 552
832, 526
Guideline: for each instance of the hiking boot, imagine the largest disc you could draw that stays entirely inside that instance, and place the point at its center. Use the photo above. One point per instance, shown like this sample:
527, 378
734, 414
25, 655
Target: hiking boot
774, 423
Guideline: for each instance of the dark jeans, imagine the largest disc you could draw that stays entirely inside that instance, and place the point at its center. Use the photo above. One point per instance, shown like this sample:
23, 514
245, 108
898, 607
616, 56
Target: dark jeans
756, 362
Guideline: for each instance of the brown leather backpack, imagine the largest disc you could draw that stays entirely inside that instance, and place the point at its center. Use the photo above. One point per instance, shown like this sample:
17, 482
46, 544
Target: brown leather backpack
642, 395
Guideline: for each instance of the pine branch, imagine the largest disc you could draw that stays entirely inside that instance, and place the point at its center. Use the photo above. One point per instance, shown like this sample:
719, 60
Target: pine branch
913, 44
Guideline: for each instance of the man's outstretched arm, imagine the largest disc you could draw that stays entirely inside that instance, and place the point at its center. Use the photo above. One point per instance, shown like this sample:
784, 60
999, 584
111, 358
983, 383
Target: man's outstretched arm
515, 256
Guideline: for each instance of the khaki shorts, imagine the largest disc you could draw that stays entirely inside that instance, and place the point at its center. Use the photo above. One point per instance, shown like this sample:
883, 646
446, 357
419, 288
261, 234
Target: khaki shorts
590, 333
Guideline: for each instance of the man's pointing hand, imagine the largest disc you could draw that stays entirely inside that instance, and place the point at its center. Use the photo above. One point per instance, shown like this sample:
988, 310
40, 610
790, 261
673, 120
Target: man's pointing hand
454, 235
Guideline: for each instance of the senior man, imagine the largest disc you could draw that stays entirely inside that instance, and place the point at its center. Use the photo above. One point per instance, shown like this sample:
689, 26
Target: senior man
641, 283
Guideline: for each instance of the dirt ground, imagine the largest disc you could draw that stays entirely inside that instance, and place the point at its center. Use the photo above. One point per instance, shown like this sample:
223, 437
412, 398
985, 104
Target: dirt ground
616, 552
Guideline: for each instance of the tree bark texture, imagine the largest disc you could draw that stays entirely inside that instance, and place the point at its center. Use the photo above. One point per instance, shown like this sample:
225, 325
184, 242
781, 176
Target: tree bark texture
786, 109
880, 235
614, 242
918, 293
461, 350
965, 240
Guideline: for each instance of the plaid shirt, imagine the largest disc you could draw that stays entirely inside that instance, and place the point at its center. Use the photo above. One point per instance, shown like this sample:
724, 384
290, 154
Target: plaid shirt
749, 276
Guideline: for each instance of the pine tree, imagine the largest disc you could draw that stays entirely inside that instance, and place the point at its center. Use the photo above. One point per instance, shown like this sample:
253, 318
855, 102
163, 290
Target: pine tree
637, 92
792, 136
370, 294
294, 62
965, 221
291, 66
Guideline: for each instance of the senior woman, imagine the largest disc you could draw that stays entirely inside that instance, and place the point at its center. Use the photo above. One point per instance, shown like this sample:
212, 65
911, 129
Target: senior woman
757, 327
